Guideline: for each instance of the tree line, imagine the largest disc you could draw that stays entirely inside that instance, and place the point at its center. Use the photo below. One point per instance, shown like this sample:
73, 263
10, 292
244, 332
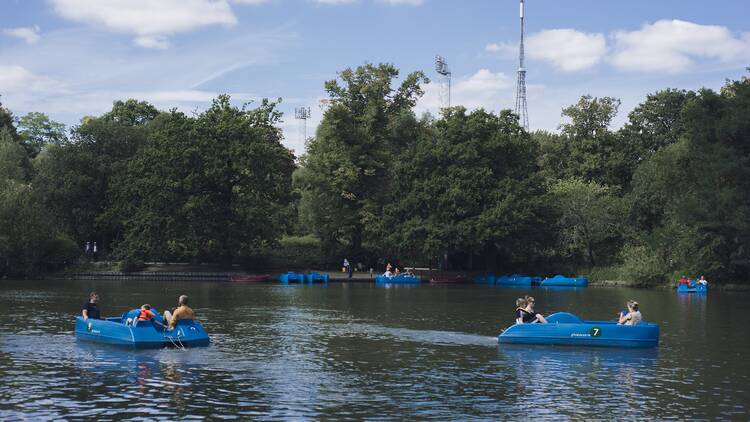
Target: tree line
471, 190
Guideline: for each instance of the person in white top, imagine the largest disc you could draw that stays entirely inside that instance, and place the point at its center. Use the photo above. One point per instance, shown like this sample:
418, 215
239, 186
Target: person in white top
703, 281
633, 317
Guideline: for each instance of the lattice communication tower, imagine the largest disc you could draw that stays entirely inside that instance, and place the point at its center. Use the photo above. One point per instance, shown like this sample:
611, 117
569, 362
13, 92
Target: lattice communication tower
521, 107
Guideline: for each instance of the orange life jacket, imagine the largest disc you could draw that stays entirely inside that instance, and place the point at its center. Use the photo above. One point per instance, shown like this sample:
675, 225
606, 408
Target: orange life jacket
145, 315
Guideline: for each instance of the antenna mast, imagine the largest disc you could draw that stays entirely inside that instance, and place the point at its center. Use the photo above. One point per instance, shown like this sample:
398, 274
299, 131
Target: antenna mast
441, 67
521, 108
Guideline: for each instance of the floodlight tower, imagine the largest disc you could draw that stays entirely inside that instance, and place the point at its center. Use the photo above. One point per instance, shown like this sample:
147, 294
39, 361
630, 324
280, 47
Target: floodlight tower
521, 108
441, 67
302, 113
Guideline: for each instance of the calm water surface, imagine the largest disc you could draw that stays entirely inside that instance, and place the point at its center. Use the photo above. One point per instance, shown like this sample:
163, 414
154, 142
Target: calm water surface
361, 351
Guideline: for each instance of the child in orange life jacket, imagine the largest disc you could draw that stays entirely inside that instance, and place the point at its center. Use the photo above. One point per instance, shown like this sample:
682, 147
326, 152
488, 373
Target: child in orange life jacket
146, 313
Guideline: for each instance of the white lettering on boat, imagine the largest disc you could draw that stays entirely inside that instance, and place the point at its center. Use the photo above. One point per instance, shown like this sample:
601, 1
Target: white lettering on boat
580, 335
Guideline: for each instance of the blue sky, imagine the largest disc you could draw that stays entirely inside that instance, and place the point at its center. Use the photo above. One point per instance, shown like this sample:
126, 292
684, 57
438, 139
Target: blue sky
71, 58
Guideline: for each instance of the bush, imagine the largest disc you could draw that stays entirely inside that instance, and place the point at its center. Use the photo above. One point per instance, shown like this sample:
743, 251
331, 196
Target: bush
293, 252
642, 265
131, 265
59, 252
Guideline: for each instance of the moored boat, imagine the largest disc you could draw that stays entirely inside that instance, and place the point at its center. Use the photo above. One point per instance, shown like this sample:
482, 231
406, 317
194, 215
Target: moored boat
398, 279
562, 281
517, 280
125, 331
291, 277
568, 329
314, 277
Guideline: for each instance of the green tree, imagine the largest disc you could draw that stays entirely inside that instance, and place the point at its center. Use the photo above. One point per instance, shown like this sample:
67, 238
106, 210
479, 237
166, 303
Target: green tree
590, 216
586, 148
215, 187
73, 178
37, 130
656, 122
349, 162
469, 188
6, 122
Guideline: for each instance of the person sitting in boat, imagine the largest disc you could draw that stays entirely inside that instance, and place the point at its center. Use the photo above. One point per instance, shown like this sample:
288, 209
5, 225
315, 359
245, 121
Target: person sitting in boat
632, 317
181, 312
683, 281
397, 272
91, 308
530, 309
525, 313
520, 310
388, 273
703, 281
146, 313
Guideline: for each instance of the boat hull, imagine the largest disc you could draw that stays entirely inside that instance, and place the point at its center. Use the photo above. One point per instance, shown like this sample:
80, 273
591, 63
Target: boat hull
698, 288
290, 277
316, 278
142, 335
568, 330
517, 280
561, 281
399, 279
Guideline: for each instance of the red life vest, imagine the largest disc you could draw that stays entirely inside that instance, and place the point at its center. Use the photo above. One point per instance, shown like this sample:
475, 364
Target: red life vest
145, 315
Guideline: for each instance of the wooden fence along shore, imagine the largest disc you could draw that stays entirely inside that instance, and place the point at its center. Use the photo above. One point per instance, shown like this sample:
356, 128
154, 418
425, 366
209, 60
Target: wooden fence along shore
152, 275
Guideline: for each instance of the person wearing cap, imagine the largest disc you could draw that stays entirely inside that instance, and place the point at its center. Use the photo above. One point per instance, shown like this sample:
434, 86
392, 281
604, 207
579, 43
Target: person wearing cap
633, 316
181, 312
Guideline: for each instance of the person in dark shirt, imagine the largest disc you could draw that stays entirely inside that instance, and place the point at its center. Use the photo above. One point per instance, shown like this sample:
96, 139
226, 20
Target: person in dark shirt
91, 308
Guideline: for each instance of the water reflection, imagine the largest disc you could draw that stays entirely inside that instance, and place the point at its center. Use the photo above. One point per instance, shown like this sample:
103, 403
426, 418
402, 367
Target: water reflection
563, 376
369, 352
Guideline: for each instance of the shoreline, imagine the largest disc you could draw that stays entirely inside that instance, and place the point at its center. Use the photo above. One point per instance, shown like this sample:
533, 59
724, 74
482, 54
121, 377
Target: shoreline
334, 276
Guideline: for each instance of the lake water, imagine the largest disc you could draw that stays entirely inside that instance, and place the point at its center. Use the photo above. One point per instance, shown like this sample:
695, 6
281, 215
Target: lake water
361, 351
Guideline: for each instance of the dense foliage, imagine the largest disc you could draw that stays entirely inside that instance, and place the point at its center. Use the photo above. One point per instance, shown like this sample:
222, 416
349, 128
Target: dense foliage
668, 193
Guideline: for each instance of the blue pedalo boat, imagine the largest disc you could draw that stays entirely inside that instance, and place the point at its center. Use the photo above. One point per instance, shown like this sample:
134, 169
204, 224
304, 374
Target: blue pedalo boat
697, 288
291, 277
141, 334
398, 279
569, 330
314, 277
562, 281
517, 280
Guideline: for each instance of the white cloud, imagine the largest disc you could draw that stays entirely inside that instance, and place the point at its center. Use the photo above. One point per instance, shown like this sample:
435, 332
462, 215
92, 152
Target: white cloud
335, 1
404, 2
14, 78
30, 34
504, 48
567, 49
484, 89
251, 2
150, 21
673, 45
